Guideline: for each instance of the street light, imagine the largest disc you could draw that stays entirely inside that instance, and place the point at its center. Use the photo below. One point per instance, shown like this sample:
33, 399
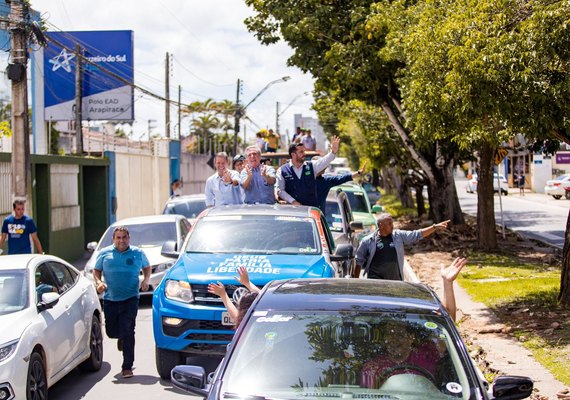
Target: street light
240, 111
280, 113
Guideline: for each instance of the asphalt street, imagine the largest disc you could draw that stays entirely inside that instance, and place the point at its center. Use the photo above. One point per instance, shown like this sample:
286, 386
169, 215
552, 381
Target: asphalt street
534, 215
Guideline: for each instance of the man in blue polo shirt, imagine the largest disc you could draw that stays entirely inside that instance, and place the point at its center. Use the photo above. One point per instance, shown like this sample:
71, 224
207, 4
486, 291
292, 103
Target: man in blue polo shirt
296, 180
121, 264
19, 229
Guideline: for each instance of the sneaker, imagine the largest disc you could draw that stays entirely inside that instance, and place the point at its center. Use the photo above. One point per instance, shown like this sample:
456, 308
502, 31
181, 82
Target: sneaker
120, 344
127, 373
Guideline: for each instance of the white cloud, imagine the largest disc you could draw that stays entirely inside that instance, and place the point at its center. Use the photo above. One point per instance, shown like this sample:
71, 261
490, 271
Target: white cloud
211, 46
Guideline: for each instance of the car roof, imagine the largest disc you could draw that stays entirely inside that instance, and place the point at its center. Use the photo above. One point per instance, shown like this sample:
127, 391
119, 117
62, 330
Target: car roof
260, 209
22, 261
351, 187
342, 294
149, 219
186, 197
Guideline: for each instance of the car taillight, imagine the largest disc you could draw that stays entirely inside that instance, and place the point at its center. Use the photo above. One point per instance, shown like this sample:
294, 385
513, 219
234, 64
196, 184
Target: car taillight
556, 184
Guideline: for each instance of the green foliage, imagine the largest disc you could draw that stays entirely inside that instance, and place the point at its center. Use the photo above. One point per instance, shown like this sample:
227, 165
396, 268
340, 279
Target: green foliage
5, 129
394, 206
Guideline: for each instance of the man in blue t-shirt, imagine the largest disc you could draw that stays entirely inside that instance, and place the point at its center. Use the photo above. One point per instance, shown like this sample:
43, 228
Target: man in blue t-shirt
121, 264
19, 229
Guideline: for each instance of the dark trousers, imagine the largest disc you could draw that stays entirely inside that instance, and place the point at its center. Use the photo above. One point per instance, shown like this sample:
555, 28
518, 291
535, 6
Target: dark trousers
120, 318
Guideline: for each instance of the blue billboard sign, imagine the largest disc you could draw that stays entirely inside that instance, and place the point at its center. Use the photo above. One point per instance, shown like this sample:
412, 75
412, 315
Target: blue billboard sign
107, 78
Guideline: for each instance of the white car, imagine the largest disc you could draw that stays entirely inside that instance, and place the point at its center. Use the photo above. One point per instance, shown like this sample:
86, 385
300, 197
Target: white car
148, 233
189, 205
51, 323
472, 184
556, 187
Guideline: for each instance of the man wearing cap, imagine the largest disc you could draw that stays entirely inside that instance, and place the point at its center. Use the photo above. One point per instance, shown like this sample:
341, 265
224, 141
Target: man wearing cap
257, 179
296, 180
222, 188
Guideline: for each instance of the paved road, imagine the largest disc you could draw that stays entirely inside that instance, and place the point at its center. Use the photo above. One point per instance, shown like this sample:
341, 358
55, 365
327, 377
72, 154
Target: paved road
534, 215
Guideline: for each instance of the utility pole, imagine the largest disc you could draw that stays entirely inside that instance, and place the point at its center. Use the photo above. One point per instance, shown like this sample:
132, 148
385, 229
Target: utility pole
179, 112
21, 166
237, 116
78, 100
167, 97
277, 118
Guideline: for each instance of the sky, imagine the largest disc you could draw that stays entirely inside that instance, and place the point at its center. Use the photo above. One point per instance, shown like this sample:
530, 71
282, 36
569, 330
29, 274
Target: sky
211, 49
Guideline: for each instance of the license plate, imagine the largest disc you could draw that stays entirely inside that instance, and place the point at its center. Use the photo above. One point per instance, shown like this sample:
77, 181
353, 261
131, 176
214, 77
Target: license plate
226, 319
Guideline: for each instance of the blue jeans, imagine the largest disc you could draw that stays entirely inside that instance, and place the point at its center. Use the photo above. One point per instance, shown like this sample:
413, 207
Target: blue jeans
120, 318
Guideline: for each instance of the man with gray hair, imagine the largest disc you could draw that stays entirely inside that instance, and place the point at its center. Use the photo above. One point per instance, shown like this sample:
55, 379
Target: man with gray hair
257, 179
382, 252
222, 188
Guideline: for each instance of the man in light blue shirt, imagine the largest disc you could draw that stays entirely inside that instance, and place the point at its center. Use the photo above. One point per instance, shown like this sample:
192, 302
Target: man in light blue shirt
223, 188
121, 265
257, 179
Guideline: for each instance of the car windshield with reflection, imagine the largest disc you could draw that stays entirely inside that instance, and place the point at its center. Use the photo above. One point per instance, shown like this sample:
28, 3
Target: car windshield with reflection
270, 241
347, 339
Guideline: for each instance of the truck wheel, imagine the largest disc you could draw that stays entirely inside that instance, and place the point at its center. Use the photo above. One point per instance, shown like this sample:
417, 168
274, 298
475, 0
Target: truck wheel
557, 196
567, 195
166, 360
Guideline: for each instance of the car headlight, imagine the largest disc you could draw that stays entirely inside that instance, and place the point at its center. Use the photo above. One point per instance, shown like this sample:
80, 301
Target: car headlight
163, 266
179, 291
8, 349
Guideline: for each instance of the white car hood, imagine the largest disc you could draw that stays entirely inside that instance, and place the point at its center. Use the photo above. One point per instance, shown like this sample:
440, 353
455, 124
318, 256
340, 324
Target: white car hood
18, 322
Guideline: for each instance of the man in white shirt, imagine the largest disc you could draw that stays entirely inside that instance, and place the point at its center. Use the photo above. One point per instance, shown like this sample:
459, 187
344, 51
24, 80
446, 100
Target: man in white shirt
222, 188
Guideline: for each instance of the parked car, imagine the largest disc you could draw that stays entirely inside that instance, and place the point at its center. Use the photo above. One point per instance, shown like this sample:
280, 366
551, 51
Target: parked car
557, 187
149, 233
189, 205
372, 192
360, 206
51, 323
271, 241
338, 338
472, 184
344, 228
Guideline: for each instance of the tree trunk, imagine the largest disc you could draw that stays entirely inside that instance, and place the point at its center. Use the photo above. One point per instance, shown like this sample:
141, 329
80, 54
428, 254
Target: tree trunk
486, 225
405, 194
564, 295
443, 200
420, 202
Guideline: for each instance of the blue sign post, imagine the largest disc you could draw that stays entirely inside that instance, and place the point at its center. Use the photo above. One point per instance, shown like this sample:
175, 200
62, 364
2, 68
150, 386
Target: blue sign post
107, 79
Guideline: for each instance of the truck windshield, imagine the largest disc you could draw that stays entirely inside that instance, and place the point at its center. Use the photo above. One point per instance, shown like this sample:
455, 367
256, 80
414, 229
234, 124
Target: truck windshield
263, 234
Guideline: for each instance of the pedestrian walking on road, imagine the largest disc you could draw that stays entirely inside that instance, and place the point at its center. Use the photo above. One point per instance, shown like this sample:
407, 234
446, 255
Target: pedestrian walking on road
18, 228
521, 184
382, 252
120, 264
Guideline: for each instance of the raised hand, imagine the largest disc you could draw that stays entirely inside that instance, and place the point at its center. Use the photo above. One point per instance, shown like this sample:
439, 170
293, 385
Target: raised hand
217, 288
449, 274
335, 144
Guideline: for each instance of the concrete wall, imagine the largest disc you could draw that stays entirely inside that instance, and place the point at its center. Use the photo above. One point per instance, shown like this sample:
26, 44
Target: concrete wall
194, 170
142, 184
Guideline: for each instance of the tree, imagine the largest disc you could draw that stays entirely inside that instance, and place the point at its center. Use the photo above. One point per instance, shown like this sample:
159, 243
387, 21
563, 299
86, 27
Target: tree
333, 41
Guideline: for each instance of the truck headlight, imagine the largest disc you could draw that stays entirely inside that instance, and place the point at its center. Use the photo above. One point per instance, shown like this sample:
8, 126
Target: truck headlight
179, 291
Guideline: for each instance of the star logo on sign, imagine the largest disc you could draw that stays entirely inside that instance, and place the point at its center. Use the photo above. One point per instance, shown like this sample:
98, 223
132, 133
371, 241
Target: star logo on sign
62, 61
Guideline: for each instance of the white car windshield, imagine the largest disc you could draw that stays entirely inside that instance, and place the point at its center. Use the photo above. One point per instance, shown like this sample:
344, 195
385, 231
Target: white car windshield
292, 355
145, 235
13, 291
190, 208
262, 234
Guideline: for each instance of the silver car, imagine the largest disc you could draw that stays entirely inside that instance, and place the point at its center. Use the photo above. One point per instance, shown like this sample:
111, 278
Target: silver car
149, 234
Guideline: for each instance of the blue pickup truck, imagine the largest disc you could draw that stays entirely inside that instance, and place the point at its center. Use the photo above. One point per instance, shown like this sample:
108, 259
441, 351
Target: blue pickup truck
271, 241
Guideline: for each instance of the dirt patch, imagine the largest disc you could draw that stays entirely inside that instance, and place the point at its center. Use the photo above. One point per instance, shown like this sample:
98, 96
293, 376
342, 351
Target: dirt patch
515, 320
